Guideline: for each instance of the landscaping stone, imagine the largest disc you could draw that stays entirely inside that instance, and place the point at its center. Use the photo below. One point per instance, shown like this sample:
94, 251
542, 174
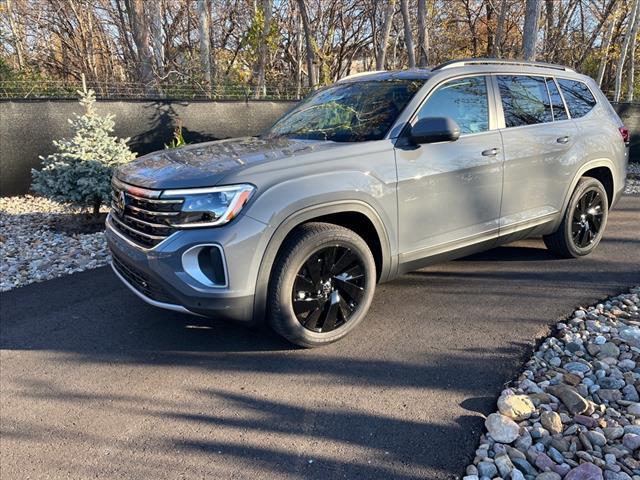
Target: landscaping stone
576, 403
32, 251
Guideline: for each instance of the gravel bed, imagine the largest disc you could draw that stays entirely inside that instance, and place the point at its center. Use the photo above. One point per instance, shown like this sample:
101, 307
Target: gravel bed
31, 252
574, 413
633, 179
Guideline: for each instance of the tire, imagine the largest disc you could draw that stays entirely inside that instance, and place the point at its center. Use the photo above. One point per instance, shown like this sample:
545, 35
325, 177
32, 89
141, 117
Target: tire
583, 223
329, 301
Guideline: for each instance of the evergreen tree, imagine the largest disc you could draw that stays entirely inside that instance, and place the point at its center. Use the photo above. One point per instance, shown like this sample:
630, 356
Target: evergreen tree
79, 173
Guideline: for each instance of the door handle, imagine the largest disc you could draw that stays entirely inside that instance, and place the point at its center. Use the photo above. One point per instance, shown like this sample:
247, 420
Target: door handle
492, 152
564, 139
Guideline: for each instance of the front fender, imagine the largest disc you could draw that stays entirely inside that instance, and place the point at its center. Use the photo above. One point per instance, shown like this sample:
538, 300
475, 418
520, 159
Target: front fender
305, 214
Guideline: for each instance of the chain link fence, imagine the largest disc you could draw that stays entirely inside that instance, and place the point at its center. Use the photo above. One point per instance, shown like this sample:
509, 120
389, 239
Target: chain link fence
62, 89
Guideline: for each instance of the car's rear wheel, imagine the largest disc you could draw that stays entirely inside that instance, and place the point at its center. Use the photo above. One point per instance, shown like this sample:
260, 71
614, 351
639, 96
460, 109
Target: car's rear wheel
584, 221
322, 284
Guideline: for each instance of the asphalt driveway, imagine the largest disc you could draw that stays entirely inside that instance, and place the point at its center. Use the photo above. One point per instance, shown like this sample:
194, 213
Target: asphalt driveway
95, 383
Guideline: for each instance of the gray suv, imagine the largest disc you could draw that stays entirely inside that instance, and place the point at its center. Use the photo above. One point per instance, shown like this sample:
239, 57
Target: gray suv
376, 175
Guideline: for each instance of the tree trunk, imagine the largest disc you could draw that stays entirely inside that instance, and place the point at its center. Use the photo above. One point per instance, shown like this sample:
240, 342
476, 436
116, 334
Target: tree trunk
633, 18
263, 48
606, 45
423, 34
530, 31
205, 43
17, 41
548, 27
632, 56
157, 36
309, 44
140, 29
298, 40
496, 50
386, 30
408, 36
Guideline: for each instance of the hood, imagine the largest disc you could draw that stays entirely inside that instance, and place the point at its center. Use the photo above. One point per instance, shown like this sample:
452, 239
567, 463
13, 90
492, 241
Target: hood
206, 164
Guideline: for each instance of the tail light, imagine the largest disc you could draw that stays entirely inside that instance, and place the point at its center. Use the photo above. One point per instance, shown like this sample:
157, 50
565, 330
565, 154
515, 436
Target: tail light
624, 131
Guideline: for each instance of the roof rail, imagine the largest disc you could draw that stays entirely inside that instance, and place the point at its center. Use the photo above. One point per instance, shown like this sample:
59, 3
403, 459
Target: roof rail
361, 74
499, 61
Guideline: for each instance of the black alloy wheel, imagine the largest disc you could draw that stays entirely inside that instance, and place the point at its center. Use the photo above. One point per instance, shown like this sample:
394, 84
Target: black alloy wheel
587, 218
583, 221
322, 284
328, 288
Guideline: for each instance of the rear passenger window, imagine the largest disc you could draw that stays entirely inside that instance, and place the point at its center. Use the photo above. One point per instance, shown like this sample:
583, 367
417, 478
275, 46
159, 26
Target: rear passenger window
525, 100
465, 100
557, 105
579, 98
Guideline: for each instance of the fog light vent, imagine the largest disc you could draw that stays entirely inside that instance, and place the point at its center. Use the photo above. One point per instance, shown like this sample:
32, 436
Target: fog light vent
205, 263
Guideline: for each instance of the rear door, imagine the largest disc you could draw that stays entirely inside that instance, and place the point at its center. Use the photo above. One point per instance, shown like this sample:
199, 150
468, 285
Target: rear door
540, 150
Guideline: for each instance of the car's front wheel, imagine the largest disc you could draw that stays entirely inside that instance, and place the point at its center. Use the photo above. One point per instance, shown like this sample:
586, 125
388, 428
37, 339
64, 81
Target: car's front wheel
322, 284
584, 221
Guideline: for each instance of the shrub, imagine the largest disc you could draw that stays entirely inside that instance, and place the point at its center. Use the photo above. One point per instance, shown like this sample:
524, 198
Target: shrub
79, 172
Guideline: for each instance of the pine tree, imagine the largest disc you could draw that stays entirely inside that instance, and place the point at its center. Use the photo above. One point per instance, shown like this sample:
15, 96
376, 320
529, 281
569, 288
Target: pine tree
79, 172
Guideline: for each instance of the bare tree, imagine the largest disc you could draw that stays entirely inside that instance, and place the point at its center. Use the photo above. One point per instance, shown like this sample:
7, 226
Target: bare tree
423, 34
266, 10
497, 40
408, 35
309, 44
205, 42
606, 46
633, 19
140, 29
530, 31
157, 35
389, 12
16, 37
632, 56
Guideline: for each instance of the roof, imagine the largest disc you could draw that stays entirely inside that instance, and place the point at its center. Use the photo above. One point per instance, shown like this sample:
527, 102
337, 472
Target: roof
426, 73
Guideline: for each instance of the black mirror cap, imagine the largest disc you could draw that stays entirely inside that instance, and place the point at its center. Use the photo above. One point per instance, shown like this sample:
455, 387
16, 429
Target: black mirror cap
433, 130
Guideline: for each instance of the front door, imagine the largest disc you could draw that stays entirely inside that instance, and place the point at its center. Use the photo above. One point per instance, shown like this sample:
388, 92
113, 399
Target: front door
449, 193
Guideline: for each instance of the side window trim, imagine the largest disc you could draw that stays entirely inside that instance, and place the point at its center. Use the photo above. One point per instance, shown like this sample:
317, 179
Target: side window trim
498, 98
493, 119
564, 101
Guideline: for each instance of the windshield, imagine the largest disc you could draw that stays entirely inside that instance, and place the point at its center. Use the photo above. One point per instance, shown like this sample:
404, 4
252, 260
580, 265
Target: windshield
348, 112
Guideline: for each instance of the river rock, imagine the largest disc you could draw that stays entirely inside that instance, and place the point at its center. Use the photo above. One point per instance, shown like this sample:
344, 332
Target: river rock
517, 407
501, 428
574, 402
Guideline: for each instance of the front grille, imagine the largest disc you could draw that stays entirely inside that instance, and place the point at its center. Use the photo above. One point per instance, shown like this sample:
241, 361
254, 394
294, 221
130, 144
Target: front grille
139, 215
141, 282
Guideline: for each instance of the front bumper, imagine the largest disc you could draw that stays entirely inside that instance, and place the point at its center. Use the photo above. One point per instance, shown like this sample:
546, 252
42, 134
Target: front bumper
158, 275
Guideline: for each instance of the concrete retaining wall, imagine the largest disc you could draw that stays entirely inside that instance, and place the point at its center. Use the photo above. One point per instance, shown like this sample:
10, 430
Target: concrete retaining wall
28, 128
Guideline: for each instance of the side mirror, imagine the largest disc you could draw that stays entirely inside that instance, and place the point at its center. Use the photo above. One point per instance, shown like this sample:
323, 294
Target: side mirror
434, 129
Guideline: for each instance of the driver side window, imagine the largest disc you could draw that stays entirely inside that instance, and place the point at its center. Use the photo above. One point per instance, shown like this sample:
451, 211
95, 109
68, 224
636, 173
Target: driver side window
465, 100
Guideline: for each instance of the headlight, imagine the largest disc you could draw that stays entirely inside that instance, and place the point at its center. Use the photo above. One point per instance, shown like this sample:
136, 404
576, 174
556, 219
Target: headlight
209, 207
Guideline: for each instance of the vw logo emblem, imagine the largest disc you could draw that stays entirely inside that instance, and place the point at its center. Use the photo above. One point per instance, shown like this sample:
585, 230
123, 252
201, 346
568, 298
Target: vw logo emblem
121, 203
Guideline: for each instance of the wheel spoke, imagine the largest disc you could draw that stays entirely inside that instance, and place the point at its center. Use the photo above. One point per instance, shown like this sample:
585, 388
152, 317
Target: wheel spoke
306, 305
314, 267
344, 262
349, 289
303, 283
311, 321
331, 315
329, 260
345, 308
